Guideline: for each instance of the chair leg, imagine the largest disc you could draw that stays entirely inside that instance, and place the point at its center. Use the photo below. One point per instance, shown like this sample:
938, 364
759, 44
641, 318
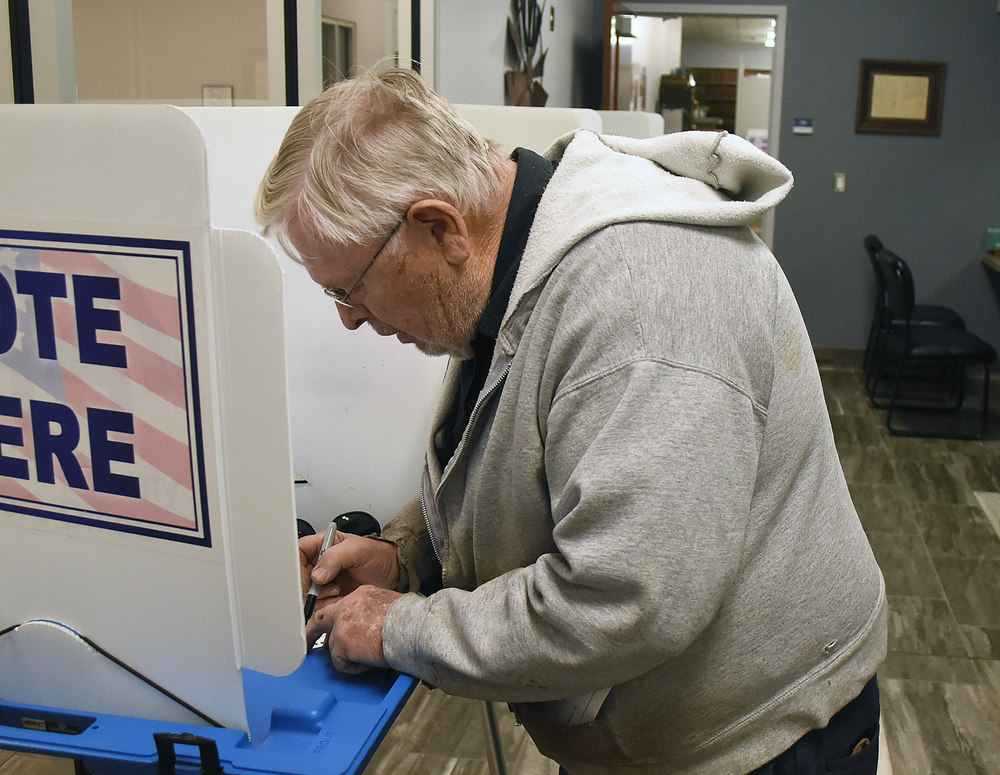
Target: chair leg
919, 387
892, 396
986, 400
494, 744
870, 346
984, 415
876, 369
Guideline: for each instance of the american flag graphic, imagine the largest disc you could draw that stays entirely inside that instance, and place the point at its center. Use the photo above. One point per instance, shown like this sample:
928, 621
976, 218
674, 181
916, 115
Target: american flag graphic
99, 413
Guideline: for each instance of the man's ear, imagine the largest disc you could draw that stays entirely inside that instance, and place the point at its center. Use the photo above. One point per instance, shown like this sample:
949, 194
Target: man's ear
442, 223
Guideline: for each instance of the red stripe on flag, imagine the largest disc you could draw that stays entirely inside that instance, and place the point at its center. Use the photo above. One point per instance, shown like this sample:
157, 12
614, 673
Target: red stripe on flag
157, 309
168, 455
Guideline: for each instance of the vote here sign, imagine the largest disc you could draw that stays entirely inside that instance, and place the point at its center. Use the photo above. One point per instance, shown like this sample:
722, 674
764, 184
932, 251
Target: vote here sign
100, 418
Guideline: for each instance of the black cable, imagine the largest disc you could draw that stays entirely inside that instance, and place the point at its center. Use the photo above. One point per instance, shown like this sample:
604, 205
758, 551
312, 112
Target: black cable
108, 655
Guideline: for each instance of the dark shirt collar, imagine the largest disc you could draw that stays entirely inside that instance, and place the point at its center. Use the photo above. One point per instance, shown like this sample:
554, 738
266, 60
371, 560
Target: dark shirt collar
533, 175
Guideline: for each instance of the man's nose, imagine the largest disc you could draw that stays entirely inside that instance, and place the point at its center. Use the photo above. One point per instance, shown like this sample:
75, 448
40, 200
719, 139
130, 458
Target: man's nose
352, 317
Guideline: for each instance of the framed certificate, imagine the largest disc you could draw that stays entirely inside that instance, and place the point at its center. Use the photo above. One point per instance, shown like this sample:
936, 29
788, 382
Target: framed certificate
897, 97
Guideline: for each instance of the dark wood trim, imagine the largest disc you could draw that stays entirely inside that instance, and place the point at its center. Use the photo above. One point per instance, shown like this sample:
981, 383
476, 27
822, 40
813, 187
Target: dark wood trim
415, 35
291, 53
20, 51
609, 11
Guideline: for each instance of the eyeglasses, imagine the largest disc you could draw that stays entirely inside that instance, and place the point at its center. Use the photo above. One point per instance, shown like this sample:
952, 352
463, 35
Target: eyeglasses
341, 296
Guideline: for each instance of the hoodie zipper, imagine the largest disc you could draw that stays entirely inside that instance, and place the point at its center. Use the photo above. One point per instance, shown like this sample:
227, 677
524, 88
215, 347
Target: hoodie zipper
425, 482
427, 520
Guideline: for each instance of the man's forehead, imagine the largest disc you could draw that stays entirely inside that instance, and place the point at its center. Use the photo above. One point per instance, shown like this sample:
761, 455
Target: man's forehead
303, 240
308, 245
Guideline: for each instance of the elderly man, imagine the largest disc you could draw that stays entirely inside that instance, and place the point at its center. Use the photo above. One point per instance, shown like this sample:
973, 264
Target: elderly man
632, 525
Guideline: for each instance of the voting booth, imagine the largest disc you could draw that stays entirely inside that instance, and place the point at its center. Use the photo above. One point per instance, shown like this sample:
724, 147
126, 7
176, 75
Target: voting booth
147, 500
359, 405
631, 123
174, 394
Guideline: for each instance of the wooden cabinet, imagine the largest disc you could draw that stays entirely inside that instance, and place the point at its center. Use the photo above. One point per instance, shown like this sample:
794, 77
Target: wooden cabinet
714, 97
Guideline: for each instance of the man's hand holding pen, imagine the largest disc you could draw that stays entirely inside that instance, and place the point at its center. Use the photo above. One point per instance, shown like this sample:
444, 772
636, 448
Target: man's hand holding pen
356, 578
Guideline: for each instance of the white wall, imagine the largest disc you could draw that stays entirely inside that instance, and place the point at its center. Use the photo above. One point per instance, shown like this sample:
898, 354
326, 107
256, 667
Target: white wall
469, 47
657, 48
573, 64
753, 103
308, 14
52, 51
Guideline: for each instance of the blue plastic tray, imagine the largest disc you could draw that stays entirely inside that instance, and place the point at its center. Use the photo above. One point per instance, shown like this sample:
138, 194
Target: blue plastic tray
321, 722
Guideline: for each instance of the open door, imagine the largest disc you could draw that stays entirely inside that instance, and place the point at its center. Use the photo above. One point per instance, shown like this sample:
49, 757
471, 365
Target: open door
616, 61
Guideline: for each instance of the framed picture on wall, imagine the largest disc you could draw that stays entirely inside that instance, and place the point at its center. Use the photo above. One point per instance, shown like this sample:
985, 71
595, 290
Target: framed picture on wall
899, 97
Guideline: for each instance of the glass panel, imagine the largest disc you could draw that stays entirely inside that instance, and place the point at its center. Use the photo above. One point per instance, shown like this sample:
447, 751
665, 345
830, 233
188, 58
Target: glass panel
127, 51
338, 50
345, 49
371, 40
330, 64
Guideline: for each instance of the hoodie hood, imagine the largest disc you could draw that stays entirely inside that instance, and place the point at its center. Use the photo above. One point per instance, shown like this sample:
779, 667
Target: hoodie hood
696, 178
665, 177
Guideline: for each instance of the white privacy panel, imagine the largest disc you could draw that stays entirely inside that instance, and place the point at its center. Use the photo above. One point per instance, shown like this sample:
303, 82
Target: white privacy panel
146, 502
533, 128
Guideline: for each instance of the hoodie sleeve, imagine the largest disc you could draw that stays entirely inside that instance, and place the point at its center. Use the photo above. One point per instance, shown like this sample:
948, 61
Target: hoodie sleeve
651, 496
418, 565
649, 462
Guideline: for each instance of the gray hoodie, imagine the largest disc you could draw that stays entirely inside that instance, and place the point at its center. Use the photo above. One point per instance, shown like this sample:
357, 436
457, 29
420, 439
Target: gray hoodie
648, 496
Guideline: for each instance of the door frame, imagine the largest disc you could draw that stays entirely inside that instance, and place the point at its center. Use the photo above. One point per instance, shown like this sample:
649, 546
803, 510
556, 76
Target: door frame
779, 12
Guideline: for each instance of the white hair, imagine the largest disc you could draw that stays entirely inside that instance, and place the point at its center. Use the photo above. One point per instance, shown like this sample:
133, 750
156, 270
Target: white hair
357, 156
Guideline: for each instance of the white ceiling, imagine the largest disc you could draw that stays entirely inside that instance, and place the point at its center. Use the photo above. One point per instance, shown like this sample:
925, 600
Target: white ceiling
725, 29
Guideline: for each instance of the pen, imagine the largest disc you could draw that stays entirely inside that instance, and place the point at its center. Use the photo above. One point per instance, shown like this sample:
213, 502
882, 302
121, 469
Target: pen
331, 531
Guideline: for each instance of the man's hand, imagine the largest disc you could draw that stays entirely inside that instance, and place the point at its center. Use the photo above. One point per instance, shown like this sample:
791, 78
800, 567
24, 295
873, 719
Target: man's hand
353, 628
350, 562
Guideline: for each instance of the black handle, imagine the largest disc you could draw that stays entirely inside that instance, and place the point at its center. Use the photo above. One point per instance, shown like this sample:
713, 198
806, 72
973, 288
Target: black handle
167, 765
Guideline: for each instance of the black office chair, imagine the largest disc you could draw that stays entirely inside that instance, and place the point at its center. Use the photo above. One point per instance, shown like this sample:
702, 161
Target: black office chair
882, 322
927, 345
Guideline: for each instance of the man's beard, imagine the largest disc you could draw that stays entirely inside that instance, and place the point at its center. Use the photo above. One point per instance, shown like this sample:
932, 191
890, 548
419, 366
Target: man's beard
453, 320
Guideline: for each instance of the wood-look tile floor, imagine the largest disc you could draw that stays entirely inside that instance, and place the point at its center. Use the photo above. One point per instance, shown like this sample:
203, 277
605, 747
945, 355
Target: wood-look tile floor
932, 513
437, 734
931, 509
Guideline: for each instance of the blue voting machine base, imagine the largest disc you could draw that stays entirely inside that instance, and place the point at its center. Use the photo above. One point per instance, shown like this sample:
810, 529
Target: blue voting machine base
319, 722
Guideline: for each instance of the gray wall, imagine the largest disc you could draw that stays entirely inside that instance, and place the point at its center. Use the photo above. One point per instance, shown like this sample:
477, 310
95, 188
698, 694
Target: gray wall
928, 198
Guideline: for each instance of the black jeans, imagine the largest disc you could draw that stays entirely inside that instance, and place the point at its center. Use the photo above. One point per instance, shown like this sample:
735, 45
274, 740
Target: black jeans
847, 745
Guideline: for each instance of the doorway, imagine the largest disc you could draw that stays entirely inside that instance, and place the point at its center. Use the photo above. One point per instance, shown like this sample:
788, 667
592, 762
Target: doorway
718, 92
